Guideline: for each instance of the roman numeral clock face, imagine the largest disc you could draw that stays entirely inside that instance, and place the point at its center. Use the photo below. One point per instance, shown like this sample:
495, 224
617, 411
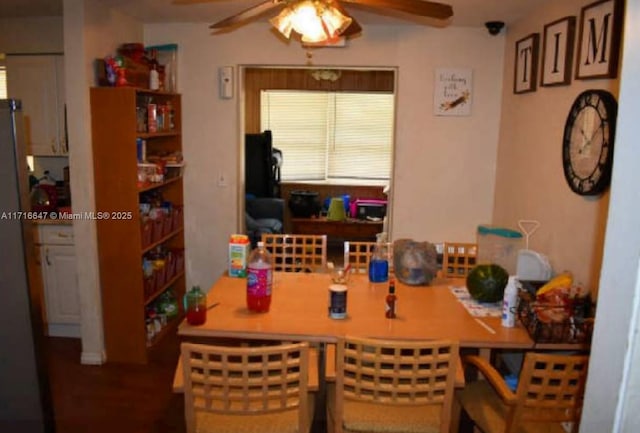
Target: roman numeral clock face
587, 146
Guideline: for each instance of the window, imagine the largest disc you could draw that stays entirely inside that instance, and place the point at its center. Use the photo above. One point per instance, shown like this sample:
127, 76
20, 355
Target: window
3, 82
330, 135
3, 77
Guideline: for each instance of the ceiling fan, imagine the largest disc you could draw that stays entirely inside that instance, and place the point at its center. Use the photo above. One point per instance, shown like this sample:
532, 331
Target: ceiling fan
324, 21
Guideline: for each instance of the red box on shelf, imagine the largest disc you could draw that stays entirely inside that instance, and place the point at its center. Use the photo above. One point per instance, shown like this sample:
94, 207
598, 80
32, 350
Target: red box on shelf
177, 217
152, 118
171, 266
158, 226
149, 286
161, 277
178, 253
167, 225
146, 230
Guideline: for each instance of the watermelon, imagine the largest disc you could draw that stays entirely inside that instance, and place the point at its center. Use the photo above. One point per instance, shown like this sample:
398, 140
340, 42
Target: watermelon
486, 282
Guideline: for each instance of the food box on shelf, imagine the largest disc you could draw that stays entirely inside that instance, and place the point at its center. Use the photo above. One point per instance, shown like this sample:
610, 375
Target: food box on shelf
149, 286
173, 170
158, 227
161, 276
179, 255
146, 230
177, 217
171, 266
167, 224
149, 173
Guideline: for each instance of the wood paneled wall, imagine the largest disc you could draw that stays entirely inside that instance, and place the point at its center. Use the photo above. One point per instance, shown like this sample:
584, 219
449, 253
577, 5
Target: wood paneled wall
257, 79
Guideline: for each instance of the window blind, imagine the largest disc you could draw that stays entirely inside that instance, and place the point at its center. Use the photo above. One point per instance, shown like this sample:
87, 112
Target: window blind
330, 135
3, 82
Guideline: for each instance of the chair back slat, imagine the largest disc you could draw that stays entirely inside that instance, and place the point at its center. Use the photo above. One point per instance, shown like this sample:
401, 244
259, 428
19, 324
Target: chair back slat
358, 255
550, 389
397, 373
297, 253
245, 380
458, 259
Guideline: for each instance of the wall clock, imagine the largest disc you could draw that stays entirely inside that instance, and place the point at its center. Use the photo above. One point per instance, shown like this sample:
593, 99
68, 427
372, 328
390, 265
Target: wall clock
587, 144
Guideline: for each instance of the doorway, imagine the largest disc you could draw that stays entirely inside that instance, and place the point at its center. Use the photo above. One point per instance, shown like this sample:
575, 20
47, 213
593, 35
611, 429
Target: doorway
258, 79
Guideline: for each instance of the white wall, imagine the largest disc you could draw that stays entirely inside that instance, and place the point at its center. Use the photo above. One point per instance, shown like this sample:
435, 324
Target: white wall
91, 31
530, 183
614, 379
445, 166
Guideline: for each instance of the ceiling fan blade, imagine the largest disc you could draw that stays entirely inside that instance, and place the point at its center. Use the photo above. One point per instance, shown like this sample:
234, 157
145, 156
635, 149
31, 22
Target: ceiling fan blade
414, 7
191, 2
354, 28
247, 14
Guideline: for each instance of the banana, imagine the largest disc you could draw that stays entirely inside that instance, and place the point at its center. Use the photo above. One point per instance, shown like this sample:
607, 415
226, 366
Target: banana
564, 279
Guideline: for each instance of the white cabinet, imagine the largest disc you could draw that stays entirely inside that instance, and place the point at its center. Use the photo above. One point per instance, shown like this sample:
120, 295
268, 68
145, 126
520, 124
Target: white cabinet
59, 273
38, 81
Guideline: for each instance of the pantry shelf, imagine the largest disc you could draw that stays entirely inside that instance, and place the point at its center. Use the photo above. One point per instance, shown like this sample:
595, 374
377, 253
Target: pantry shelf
156, 185
126, 249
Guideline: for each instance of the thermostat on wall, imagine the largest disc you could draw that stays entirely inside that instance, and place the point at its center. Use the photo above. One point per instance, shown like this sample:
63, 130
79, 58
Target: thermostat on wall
226, 82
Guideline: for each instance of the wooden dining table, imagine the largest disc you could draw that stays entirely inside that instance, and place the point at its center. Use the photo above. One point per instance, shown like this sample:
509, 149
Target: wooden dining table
299, 312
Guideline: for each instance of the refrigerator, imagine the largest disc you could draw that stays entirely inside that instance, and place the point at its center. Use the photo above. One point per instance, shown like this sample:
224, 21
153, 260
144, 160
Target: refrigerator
25, 399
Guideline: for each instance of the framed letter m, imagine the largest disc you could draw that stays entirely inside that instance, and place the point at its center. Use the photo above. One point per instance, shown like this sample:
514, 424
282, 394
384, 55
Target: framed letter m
599, 41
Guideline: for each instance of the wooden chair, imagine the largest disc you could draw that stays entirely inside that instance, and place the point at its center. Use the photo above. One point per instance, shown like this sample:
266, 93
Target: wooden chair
255, 389
297, 253
358, 254
550, 391
392, 386
458, 259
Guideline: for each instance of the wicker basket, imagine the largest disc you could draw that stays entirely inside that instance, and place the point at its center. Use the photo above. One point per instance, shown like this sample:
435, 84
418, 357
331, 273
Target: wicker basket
546, 323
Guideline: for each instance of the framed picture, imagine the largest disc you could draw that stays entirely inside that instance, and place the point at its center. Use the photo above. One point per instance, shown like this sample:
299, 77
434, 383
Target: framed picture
557, 52
599, 40
453, 91
526, 64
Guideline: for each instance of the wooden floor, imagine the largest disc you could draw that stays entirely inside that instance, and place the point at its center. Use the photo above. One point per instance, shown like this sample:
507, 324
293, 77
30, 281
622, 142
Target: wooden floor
119, 398
113, 398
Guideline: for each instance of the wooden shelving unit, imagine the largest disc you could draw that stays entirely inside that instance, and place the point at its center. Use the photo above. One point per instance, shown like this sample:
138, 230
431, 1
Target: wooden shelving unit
120, 244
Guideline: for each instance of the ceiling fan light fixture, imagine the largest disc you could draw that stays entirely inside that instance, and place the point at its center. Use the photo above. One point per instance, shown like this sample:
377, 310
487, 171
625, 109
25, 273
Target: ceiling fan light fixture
335, 23
307, 22
314, 20
283, 22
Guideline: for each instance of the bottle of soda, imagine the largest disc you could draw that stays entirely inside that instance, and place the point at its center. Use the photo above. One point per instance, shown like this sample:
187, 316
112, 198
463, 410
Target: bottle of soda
259, 279
379, 263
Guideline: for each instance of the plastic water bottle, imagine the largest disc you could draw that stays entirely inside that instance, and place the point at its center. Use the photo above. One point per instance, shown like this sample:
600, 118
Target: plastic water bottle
379, 263
259, 279
510, 303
